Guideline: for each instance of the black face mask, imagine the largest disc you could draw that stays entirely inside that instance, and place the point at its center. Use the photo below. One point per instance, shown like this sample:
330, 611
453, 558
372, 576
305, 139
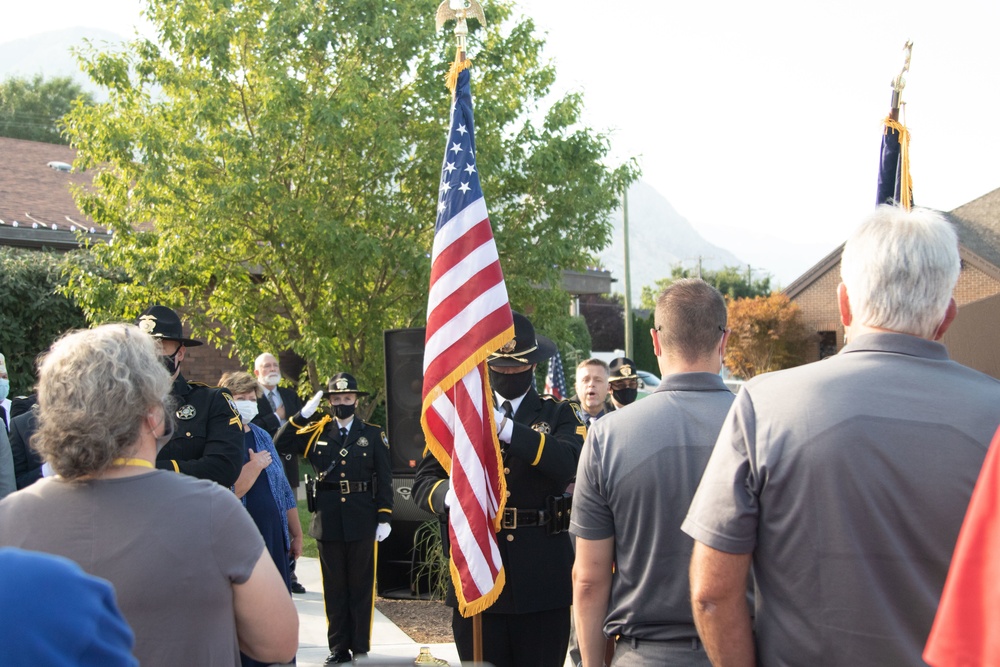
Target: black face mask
513, 385
170, 361
343, 411
625, 396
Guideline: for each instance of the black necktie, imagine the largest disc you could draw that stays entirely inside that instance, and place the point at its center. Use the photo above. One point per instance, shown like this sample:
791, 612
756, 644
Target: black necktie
507, 410
343, 434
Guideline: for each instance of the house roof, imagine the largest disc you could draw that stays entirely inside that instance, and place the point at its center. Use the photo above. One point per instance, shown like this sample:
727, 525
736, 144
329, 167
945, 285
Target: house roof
36, 205
977, 224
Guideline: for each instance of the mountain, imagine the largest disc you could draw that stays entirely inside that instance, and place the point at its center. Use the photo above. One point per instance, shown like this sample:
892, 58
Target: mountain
659, 239
49, 54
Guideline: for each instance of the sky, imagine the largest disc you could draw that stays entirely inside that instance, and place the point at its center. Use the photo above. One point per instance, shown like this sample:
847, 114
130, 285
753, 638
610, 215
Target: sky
759, 122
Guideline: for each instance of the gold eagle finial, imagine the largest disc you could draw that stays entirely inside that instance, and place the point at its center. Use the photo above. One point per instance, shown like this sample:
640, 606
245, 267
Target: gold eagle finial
459, 10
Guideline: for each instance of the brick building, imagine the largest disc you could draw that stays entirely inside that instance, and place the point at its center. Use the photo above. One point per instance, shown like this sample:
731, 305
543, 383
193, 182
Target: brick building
977, 293
37, 212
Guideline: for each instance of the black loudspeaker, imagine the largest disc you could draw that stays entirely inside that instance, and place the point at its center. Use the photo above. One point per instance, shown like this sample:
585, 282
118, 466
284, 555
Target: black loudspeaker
404, 380
396, 576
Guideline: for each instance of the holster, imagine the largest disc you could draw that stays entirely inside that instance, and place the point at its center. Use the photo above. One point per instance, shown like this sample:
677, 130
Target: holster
310, 483
558, 508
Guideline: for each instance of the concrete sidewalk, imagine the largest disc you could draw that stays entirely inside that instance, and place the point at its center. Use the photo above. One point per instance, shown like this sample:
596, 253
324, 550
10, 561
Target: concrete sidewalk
390, 645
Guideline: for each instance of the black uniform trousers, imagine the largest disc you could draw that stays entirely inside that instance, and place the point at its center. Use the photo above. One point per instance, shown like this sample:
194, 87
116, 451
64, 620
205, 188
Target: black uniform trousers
348, 570
535, 639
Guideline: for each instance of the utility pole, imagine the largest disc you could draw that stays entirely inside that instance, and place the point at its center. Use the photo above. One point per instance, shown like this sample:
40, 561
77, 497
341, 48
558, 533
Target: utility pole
628, 280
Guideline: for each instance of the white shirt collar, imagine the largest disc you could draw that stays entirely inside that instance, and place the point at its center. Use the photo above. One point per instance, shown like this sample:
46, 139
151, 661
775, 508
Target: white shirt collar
515, 403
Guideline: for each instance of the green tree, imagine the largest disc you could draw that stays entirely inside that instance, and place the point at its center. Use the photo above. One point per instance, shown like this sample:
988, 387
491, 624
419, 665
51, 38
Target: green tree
732, 281
274, 164
33, 108
32, 311
767, 335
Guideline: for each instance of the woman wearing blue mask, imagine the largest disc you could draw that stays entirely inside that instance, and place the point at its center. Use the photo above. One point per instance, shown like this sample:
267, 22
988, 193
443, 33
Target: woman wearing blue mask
262, 485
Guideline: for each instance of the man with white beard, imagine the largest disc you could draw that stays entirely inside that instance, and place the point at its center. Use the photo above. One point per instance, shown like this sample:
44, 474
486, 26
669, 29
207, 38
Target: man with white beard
274, 406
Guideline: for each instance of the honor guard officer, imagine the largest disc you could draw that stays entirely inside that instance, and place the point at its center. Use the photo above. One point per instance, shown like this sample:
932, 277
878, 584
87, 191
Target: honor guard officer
540, 440
623, 382
208, 435
351, 501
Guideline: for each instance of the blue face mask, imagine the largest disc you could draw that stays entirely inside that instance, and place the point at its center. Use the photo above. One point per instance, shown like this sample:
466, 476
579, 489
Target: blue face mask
4, 388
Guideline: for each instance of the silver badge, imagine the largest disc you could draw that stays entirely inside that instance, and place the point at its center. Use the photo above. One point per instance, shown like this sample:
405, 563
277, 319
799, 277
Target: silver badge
147, 324
541, 427
362, 442
186, 412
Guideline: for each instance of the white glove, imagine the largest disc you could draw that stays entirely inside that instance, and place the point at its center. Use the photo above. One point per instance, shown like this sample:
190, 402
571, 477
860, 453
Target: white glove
450, 498
382, 531
498, 416
310, 408
507, 429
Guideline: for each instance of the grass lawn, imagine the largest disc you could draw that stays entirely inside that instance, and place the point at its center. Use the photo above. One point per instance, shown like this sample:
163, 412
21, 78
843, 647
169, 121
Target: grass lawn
308, 544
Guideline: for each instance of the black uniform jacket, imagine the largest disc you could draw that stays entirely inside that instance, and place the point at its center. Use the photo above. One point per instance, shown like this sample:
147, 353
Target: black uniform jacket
27, 462
361, 458
269, 421
539, 462
208, 440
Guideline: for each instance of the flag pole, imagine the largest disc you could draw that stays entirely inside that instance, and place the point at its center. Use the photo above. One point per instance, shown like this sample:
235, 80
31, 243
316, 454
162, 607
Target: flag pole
895, 183
460, 11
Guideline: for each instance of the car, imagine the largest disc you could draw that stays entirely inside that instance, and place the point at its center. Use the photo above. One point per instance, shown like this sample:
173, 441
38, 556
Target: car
647, 383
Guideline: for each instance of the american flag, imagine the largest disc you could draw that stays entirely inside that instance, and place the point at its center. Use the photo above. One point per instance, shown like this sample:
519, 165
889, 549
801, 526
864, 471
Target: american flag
468, 317
555, 379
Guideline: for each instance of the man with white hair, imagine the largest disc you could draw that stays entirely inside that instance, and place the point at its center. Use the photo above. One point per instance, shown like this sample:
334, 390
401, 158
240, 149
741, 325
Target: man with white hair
845, 482
274, 406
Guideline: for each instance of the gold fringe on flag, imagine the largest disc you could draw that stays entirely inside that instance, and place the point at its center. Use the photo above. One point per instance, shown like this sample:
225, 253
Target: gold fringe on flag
460, 63
905, 182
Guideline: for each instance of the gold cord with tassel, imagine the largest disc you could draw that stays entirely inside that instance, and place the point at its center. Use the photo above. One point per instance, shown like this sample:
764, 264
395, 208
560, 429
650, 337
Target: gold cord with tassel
905, 181
460, 63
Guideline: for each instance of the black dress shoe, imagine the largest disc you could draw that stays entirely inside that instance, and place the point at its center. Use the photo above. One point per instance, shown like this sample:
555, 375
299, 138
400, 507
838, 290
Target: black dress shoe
297, 588
338, 658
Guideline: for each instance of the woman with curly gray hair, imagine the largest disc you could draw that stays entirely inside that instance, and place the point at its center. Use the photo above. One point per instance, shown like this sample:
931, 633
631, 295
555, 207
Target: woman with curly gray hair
188, 565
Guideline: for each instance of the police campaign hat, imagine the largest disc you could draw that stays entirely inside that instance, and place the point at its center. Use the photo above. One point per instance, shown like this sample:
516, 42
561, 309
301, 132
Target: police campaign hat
526, 348
343, 383
162, 322
622, 368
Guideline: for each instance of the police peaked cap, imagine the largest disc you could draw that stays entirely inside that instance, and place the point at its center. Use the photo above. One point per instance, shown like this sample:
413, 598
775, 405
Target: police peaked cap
622, 368
526, 348
343, 383
162, 322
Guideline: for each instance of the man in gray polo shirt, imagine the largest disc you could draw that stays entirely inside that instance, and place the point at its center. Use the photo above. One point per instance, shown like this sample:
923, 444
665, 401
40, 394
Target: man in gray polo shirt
638, 471
845, 481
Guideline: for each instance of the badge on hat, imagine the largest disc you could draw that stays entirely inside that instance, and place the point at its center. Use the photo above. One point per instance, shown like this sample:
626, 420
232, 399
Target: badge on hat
341, 384
186, 412
147, 324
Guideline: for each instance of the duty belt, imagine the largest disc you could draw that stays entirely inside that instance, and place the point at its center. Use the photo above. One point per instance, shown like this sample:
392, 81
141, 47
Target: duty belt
514, 518
555, 516
343, 486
